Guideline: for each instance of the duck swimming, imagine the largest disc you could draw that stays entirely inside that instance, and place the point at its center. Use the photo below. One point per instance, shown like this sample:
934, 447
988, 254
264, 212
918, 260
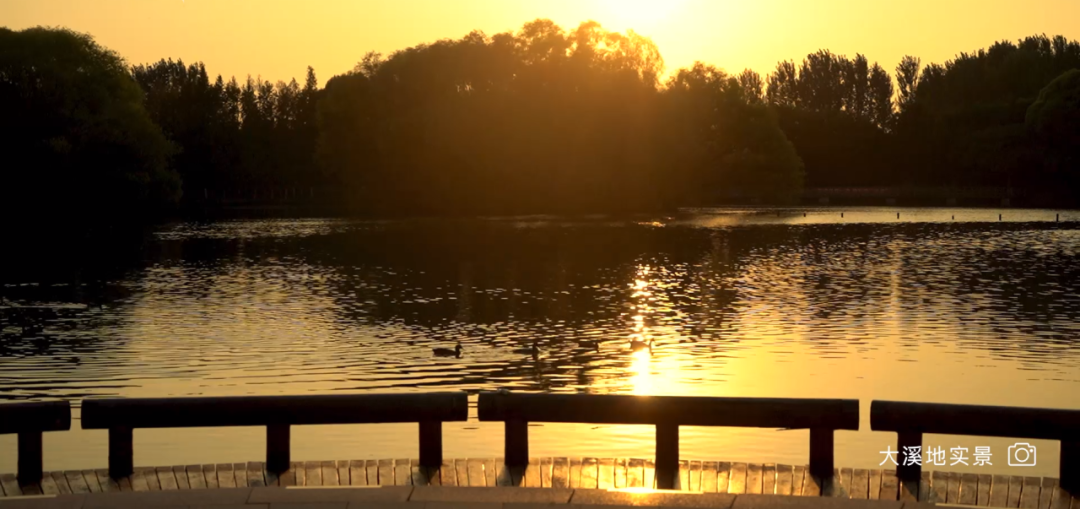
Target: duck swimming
637, 346
32, 329
447, 352
588, 344
533, 350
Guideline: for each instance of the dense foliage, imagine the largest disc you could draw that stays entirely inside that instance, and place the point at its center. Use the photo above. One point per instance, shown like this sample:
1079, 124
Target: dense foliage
1053, 120
965, 122
77, 141
257, 134
537, 120
540, 120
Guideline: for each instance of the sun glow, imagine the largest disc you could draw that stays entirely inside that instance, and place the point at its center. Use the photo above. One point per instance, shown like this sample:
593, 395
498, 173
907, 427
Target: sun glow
641, 16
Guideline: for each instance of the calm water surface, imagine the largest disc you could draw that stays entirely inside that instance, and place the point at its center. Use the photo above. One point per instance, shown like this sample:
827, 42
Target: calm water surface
739, 303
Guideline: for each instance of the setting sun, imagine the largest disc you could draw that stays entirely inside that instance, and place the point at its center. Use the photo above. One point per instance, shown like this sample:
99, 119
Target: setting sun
642, 16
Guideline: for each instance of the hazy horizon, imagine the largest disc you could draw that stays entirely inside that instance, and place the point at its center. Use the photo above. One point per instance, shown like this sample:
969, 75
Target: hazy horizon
277, 40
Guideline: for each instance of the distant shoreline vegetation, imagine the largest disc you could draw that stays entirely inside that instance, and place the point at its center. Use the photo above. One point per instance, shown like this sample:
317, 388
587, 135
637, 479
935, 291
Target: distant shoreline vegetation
541, 120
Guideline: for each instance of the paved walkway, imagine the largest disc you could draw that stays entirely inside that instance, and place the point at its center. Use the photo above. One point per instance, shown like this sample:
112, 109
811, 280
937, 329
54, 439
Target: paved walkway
435, 497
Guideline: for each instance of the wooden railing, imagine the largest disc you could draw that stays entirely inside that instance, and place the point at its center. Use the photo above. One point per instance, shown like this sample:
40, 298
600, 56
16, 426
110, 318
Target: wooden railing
911, 420
277, 413
821, 416
29, 421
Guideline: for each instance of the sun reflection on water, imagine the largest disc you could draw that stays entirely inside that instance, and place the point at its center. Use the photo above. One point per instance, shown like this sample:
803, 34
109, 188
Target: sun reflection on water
642, 381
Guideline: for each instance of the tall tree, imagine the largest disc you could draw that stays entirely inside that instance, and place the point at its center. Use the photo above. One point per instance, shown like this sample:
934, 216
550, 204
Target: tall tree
856, 82
752, 86
907, 78
821, 83
880, 93
783, 87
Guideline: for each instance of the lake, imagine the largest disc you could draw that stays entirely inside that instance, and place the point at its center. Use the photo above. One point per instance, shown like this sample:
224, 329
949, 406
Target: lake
938, 305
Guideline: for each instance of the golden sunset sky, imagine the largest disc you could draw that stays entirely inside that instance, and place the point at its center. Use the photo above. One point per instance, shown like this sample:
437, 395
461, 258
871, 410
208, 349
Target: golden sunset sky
277, 39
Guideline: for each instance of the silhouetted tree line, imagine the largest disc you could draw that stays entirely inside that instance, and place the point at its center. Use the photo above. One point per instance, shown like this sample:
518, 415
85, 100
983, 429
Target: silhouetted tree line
1007, 115
232, 135
545, 120
538, 120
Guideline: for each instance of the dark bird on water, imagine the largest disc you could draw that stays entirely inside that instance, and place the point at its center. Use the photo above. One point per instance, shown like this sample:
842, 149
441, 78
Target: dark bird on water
592, 345
533, 350
448, 352
96, 294
32, 329
636, 345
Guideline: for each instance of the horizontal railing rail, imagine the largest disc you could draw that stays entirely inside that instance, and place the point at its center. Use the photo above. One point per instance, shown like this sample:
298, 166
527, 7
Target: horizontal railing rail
29, 420
121, 416
821, 416
911, 420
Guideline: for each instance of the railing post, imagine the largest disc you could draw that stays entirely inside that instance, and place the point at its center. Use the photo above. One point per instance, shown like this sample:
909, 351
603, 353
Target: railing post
517, 443
277, 447
121, 452
822, 447
431, 444
30, 467
667, 455
913, 471
1069, 474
